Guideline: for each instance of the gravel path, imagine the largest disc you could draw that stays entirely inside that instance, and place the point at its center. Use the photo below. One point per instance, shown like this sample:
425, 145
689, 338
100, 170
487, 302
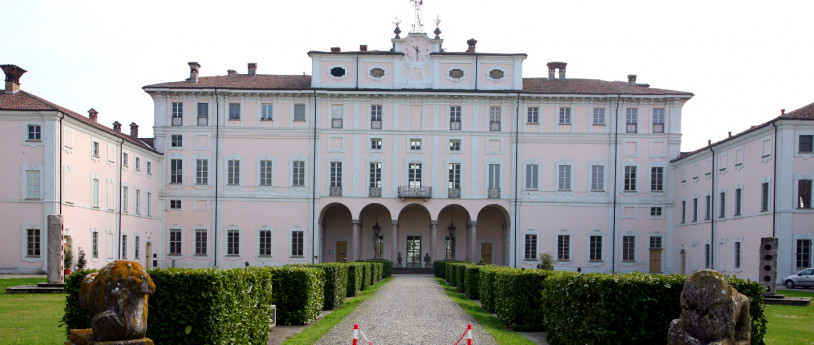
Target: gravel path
410, 309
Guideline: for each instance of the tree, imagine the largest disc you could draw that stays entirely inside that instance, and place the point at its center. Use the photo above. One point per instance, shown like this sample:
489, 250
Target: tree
68, 260
80, 261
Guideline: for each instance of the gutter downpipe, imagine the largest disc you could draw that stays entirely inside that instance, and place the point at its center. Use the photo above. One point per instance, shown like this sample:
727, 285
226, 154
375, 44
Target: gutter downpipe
61, 148
476, 74
615, 180
774, 183
712, 213
121, 195
217, 184
314, 176
516, 172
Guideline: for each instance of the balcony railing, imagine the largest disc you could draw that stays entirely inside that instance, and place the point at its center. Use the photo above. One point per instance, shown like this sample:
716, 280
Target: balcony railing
455, 125
454, 193
374, 192
375, 124
494, 126
494, 193
177, 121
631, 128
336, 123
203, 121
658, 128
335, 191
415, 192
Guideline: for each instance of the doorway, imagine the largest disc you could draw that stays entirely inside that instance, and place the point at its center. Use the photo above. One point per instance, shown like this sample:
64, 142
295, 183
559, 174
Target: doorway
413, 251
655, 260
486, 253
341, 251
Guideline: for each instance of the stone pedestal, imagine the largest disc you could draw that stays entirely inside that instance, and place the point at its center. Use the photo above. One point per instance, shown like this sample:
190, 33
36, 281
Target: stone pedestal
56, 272
85, 337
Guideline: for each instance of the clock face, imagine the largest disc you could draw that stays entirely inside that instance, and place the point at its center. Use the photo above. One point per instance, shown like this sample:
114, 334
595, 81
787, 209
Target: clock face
416, 50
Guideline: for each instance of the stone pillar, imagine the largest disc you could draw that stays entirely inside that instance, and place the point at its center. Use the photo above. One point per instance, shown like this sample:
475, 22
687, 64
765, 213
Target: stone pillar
56, 273
473, 241
357, 240
394, 240
433, 235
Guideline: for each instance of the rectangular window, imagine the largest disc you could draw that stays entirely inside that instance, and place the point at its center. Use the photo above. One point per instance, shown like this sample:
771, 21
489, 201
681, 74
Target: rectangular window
803, 254
707, 205
233, 172
658, 120
628, 248
449, 247
494, 118
695, 209
655, 211
34, 132
563, 247
32, 184
683, 211
297, 239
149, 204
632, 120
176, 140
804, 194
378, 247
95, 193
595, 248
455, 118
265, 243
337, 115
494, 176
176, 171
267, 111
737, 255
175, 242
136, 249
531, 176
376, 116
455, 145
125, 199
597, 178
95, 244
32, 243
200, 242
138, 164
376, 144
138, 202
124, 247
234, 111
630, 179
599, 116
655, 242
376, 175
454, 172
125, 159
265, 173
96, 149
565, 115
177, 113
232, 242
764, 196
336, 174
415, 144
414, 175
806, 143
564, 177
737, 201
533, 115
299, 112
175, 204
530, 250
149, 168
298, 173
707, 257
657, 179
722, 212
202, 171
203, 114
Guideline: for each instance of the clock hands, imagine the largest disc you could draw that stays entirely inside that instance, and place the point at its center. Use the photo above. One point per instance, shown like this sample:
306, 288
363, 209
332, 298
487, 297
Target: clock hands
417, 51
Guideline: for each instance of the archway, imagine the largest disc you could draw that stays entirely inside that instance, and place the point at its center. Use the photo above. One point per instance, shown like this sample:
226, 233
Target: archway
336, 232
492, 237
454, 234
377, 218
414, 240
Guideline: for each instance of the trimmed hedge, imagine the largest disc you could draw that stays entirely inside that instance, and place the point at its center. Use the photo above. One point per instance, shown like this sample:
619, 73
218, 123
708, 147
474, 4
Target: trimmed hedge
486, 286
336, 283
299, 295
367, 274
355, 275
387, 267
517, 298
634, 308
460, 275
452, 273
472, 281
439, 268
74, 317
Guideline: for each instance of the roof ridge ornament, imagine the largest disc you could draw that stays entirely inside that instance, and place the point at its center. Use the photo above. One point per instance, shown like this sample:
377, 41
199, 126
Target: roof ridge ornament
397, 31
418, 27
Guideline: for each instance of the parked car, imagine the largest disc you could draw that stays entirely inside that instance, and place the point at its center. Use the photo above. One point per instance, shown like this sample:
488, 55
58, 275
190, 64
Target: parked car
804, 278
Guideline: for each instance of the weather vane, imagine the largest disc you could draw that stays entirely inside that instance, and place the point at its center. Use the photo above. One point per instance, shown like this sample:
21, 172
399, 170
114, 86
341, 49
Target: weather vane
397, 21
418, 27
438, 20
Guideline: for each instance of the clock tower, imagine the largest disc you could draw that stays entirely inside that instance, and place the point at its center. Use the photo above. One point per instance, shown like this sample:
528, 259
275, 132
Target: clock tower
417, 48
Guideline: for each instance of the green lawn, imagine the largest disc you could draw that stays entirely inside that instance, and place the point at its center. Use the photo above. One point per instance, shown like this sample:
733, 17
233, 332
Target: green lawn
790, 325
30, 319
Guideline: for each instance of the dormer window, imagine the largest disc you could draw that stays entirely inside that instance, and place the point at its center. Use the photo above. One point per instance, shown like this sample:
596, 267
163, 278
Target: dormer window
338, 72
377, 72
496, 74
456, 73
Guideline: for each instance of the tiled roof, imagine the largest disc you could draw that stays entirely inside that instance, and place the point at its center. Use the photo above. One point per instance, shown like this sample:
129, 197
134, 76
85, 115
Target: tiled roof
804, 113
592, 87
243, 81
24, 101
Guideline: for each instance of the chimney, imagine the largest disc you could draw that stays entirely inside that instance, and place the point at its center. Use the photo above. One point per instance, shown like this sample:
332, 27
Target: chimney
471, 43
555, 65
709, 142
363, 47
93, 115
252, 69
193, 72
730, 134
631, 79
13, 74
134, 130
117, 126
782, 112
336, 50
231, 72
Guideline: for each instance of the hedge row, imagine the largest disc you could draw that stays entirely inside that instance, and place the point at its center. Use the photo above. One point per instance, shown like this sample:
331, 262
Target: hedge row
517, 298
299, 294
74, 317
439, 268
336, 283
486, 286
355, 275
387, 267
472, 281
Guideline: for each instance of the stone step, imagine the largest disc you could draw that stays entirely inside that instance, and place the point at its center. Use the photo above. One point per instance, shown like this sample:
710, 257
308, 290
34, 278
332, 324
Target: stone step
411, 270
58, 285
783, 300
29, 289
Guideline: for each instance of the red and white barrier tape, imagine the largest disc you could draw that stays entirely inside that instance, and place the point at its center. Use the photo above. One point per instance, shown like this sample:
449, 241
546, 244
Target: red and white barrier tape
467, 334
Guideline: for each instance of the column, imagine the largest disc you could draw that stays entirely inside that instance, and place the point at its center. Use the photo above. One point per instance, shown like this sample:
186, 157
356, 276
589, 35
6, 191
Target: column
357, 239
394, 240
433, 235
473, 244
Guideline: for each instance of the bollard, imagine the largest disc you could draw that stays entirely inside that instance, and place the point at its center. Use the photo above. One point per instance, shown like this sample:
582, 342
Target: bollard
469, 334
355, 333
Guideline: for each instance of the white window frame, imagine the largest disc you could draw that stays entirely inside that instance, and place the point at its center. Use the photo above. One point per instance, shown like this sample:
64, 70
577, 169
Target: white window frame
532, 176
565, 116
267, 112
563, 255
533, 115
33, 184
597, 178
171, 241
201, 243
265, 173
565, 173
598, 116
601, 248
291, 238
298, 173
233, 172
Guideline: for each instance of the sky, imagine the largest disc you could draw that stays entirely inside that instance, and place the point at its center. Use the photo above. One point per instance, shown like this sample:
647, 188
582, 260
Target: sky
744, 60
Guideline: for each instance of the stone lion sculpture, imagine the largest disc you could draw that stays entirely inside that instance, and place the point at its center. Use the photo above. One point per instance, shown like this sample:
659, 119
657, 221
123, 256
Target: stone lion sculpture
712, 312
116, 298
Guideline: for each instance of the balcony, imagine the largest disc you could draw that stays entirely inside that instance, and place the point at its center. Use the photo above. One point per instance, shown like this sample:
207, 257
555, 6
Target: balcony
374, 124
455, 126
177, 121
658, 128
632, 128
454, 193
494, 126
336, 123
335, 191
494, 193
374, 192
406, 192
203, 121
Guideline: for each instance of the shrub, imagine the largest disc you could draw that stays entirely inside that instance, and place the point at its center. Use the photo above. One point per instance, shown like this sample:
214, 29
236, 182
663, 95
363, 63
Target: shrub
387, 267
355, 275
472, 281
460, 275
517, 298
74, 317
367, 273
299, 294
452, 273
81, 262
486, 286
633, 308
336, 283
